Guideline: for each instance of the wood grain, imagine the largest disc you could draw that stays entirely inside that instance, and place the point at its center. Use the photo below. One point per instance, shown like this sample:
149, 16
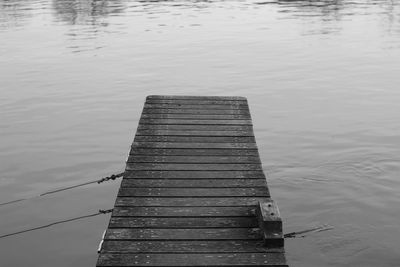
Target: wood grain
205, 174
191, 190
178, 97
195, 139
177, 246
189, 183
183, 212
194, 122
197, 116
183, 234
187, 201
211, 259
194, 106
196, 127
195, 111
210, 133
247, 146
183, 222
193, 159
193, 151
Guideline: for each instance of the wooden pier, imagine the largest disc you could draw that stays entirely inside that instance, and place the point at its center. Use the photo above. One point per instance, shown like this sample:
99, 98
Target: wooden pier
194, 192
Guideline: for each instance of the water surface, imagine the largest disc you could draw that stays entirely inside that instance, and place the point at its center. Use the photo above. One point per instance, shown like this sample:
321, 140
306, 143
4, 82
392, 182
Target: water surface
322, 79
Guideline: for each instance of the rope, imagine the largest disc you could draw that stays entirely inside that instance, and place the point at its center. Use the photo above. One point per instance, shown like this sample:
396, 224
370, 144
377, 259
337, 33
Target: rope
322, 228
99, 181
100, 212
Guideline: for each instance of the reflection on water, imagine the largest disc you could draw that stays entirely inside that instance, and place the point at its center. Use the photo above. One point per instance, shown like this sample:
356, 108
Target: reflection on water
328, 14
96, 12
14, 13
91, 12
321, 78
91, 17
320, 17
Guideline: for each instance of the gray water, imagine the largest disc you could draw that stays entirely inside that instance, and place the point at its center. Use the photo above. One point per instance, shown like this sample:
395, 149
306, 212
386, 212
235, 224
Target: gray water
322, 79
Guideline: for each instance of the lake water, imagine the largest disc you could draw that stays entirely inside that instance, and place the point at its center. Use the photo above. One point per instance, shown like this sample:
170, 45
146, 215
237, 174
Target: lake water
322, 79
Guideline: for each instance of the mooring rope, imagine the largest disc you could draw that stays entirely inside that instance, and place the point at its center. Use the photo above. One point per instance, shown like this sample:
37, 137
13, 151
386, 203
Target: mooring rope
322, 228
99, 181
100, 212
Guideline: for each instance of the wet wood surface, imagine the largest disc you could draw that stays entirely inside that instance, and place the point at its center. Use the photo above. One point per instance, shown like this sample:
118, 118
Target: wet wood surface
191, 246
191, 188
204, 259
193, 183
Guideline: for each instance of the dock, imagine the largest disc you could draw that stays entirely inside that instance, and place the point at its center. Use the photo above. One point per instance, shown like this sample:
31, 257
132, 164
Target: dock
194, 192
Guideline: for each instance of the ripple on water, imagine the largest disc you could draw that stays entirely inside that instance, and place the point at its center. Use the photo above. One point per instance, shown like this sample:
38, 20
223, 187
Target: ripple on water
321, 78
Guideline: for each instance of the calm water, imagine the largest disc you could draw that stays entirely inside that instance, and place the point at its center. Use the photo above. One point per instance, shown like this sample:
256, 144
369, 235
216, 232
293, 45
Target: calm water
322, 79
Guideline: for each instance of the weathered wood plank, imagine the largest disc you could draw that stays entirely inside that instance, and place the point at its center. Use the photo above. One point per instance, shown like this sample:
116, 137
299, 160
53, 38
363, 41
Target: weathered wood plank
195, 139
194, 152
137, 183
195, 111
194, 174
187, 201
194, 133
192, 184
194, 122
195, 145
183, 222
211, 260
193, 192
196, 127
184, 212
210, 246
178, 97
197, 116
196, 102
183, 234
227, 259
191, 167
192, 159
194, 106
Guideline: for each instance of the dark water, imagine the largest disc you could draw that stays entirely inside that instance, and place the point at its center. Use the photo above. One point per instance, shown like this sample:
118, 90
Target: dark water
322, 79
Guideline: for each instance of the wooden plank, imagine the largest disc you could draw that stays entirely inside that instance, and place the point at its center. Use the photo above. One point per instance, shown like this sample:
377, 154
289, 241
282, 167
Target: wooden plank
175, 259
194, 122
208, 246
194, 152
187, 201
196, 127
178, 97
197, 116
183, 234
191, 167
194, 174
192, 159
137, 183
195, 139
183, 222
195, 145
195, 111
196, 102
192, 184
193, 192
194, 133
193, 106
184, 212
